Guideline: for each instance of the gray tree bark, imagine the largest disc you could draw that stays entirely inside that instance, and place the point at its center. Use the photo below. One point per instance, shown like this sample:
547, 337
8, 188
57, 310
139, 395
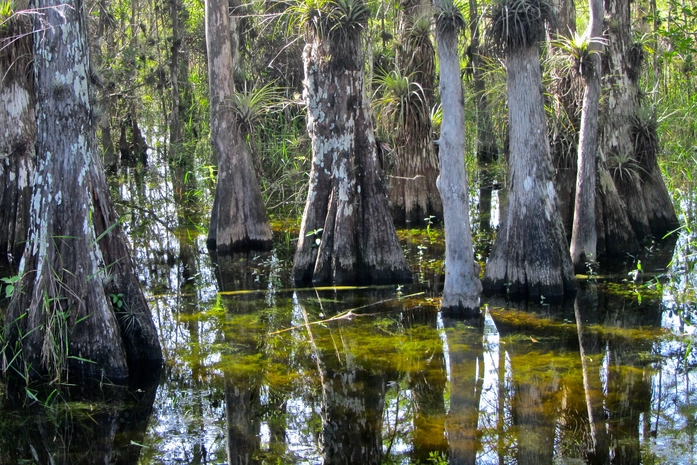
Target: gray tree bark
17, 135
462, 287
346, 234
61, 322
622, 101
583, 236
530, 256
238, 218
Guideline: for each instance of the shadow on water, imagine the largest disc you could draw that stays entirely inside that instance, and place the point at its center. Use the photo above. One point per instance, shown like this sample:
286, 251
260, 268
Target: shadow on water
259, 372
106, 425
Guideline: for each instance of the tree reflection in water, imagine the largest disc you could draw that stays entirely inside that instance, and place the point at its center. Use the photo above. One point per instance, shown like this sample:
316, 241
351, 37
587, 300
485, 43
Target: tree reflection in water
256, 374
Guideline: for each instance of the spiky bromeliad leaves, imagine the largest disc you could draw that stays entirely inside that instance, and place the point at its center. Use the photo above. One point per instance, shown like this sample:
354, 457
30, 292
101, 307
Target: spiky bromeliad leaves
644, 132
449, 16
400, 97
250, 106
518, 23
578, 49
325, 18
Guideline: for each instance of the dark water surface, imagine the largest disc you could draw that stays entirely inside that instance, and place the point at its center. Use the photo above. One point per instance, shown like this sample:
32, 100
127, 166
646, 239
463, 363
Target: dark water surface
258, 372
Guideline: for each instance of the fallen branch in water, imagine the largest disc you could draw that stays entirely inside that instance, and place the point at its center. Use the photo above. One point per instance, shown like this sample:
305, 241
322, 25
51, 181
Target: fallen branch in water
346, 315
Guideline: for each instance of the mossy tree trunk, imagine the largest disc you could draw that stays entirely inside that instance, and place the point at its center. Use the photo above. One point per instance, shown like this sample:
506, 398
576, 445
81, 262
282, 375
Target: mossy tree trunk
347, 234
462, 287
530, 256
17, 135
238, 219
78, 313
412, 182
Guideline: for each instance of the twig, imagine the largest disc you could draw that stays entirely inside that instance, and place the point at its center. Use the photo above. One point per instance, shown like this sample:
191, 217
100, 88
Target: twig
348, 314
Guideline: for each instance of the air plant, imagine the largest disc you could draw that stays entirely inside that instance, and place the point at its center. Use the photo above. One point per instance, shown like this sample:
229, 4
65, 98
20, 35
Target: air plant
578, 49
250, 106
401, 100
517, 24
623, 166
449, 16
644, 131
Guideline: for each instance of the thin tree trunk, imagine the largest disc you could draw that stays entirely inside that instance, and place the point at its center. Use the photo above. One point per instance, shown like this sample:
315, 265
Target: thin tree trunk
346, 235
239, 219
583, 236
462, 287
530, 256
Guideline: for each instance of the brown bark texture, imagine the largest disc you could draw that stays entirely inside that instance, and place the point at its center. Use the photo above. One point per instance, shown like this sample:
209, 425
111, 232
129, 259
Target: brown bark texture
17, 135
530, 256
462, 287
412, 188
238, 219
346, 234
61, 322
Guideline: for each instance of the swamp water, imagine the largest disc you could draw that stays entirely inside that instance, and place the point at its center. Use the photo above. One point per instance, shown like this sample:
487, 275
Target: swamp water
258, 372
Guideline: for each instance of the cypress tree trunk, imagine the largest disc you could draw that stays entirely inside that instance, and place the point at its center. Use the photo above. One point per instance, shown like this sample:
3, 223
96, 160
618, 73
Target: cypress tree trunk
346, 235
238, 219
462, 288
61, 322
17, 135
615, 235
530, 256
412, 183
622, 101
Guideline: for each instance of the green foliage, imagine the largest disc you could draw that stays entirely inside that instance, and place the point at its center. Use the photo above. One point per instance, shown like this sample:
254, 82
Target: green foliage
6, 11
10, 284
251, 106
577, 50
623, 167
399, 98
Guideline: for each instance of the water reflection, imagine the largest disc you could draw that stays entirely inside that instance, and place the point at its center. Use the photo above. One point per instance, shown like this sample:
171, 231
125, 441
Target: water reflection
104, 426
260, 373
465, 353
